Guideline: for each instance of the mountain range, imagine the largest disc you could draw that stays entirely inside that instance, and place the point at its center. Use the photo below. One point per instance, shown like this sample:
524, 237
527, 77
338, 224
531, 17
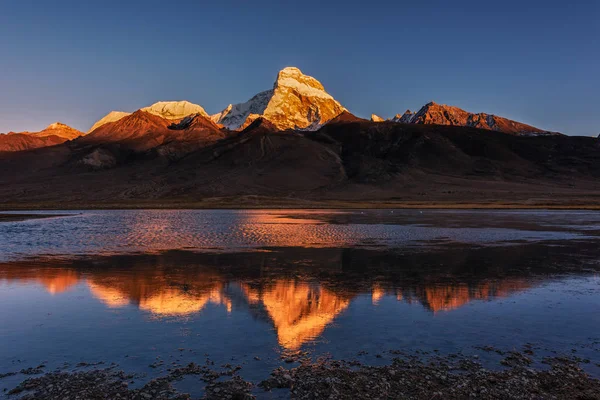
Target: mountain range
297, 143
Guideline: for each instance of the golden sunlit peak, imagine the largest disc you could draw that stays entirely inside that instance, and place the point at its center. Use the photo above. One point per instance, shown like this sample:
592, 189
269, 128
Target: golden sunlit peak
113, 298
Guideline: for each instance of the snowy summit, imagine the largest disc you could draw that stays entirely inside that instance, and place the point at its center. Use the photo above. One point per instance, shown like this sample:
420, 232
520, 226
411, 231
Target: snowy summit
297, 101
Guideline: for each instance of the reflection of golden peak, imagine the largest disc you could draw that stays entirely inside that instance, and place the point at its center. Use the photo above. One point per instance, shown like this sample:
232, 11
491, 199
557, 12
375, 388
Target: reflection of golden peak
61, 283
54, 280
451, 297
445, 298
377, 294
113, 298
172, 302
300, 312
163, 302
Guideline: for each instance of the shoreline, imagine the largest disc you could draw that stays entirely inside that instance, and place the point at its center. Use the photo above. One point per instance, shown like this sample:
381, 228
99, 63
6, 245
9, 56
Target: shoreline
334, 205
518, 375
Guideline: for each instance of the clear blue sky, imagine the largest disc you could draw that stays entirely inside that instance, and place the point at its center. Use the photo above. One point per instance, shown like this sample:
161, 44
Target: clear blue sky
73, 61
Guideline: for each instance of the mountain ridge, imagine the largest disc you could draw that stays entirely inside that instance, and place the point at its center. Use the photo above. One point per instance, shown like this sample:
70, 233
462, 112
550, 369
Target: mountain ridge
442, 114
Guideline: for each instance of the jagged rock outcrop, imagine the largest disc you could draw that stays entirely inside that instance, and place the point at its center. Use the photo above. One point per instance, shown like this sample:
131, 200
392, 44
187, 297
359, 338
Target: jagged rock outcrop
297, 101
404, 118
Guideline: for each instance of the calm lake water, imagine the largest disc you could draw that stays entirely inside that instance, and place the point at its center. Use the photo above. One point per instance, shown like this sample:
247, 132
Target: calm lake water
148, 290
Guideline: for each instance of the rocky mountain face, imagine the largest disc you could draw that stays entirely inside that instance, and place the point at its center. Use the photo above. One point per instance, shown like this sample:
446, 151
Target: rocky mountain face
55, 133
376, 118
441, 114
239, 116
297, 101
404, 118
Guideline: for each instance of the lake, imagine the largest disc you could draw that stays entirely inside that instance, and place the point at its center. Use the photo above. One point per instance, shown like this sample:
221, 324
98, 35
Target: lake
149, 290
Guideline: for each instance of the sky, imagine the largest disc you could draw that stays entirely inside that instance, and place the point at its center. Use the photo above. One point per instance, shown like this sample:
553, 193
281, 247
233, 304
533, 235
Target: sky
71, 61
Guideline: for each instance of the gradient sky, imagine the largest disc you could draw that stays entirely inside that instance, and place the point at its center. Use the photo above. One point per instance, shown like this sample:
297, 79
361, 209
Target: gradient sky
74, 61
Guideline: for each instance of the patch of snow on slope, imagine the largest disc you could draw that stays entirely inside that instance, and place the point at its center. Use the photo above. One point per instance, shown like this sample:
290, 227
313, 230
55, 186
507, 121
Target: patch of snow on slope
110, 117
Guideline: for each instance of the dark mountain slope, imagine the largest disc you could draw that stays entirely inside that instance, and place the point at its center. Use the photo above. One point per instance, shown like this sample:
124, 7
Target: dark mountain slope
261, 161
375, 151
349, 161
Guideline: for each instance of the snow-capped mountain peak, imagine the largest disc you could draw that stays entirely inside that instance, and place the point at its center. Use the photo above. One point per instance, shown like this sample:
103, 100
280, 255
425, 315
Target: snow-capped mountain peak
172, 110
305, 85
297, 101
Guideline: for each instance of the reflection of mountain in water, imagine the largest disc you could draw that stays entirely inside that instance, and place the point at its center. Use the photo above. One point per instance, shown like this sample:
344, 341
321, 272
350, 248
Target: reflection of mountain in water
55, 280
300, 311
160, 291
450, 297
165, 302
300, 291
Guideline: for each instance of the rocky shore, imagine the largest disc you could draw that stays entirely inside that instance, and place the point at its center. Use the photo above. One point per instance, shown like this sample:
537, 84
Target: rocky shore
517, 376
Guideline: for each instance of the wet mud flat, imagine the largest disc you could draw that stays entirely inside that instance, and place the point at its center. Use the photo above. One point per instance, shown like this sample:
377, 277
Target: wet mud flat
519, 375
